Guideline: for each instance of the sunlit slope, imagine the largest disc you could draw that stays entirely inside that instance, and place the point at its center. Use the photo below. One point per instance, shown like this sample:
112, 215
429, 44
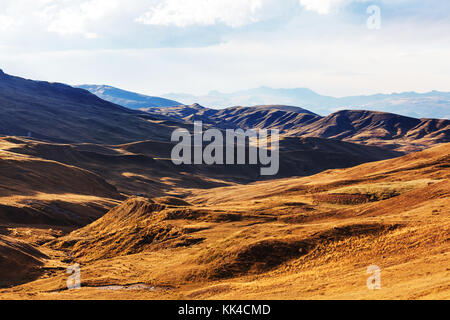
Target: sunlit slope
35, 191
305, 238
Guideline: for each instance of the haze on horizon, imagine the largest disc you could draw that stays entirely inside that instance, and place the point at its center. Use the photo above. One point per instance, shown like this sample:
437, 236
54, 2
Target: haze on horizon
160, 46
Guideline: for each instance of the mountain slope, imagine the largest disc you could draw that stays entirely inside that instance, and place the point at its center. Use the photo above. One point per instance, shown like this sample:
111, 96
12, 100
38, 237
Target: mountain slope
34, 191
19, 261
261, 117
57, 112
383, 129
311, 237
431, 164
378, 128
128, 99
145, 167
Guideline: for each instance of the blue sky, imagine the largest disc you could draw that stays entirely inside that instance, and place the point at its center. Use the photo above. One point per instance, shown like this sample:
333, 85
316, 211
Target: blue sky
161, 46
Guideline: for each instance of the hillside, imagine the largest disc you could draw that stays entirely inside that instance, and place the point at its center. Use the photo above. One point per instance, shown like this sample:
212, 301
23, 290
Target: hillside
258, 117
126, 98
35, 191
18, 260
84, 181
382, 129
145, 167
379, 128
60, 113
300, 238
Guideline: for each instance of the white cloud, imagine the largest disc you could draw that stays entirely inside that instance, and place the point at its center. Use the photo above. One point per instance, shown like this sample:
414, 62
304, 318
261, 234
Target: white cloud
64, 17
7, 22
234, 13
334, 54
321, 6
326, 6
78, 17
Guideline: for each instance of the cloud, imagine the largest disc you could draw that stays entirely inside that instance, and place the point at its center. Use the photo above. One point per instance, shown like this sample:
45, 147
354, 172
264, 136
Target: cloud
196, 46
7, 22
78, 17
233, 13
321, 6
327, 6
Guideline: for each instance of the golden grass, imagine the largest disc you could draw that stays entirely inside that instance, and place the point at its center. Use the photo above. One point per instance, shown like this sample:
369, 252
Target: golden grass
267, 240
384, 190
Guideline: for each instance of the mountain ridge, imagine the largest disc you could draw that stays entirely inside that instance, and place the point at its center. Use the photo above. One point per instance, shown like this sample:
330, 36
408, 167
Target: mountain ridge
433, 104
60, 113
127, 98
389, 130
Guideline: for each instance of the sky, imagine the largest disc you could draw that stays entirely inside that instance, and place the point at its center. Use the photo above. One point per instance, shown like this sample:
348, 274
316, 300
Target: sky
334, 47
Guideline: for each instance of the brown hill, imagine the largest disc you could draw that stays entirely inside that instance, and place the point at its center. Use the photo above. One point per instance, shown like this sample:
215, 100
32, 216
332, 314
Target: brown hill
383, 129
146, 168
379, 128
128, 228
279, 117
38, 191
19, 261
60, 113
298, 238
218, 232
429, 166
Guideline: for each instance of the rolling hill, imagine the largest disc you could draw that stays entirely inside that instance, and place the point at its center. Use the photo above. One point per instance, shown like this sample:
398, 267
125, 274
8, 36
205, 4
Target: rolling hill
379, 128
299, 238
35, 191
383, 129
19, 261
85, 181
145, 167
60, 113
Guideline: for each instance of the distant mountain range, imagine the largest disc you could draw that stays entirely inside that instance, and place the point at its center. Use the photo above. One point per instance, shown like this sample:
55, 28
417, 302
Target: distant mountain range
126, 98
433, 104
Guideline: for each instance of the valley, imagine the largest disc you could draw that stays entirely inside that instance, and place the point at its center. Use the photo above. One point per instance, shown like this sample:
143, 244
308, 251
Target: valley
90, 183
279, 239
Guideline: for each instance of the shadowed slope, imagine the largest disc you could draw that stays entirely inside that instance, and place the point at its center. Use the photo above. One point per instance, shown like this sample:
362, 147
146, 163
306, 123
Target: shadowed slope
19, 261
382, 129
146, 168
60, 113
377, 128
